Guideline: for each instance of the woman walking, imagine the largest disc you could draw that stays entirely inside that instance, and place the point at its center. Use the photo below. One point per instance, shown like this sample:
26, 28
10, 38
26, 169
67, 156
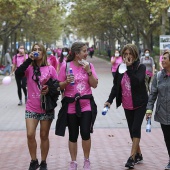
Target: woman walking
160, 93
17, 60
130, 91
38, 73
78, 106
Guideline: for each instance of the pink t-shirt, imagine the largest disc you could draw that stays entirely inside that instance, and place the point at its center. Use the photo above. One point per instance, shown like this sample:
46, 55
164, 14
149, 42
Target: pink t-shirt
33, 101
64, 61
126, 93
52, 61
18, 59
116, 64
81, 85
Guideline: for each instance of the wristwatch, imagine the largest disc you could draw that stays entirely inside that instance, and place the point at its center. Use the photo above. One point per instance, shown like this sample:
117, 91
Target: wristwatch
89, 73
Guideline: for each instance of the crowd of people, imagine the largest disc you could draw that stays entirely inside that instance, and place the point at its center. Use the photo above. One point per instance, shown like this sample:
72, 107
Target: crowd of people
42, 76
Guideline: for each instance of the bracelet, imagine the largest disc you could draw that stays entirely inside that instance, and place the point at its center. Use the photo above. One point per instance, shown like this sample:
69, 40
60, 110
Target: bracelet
149, 112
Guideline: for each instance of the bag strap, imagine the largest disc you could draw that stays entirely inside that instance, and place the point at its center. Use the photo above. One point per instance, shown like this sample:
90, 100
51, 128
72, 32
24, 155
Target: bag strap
158, 76
67, 67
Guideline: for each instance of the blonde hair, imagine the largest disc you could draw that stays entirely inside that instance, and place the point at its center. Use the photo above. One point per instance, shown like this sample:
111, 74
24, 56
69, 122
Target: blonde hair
133, 50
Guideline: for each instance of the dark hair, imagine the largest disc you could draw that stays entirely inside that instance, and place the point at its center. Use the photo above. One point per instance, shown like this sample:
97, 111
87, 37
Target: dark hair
133, 50
75, 49
146, 50
167, 52
62, 56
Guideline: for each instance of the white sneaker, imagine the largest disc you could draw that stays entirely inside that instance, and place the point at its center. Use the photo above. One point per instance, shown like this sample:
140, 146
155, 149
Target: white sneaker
73, 165
86, 164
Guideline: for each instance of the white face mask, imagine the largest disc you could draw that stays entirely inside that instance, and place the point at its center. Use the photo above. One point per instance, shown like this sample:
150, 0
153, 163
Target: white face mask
116, 54
65, 53
147, 54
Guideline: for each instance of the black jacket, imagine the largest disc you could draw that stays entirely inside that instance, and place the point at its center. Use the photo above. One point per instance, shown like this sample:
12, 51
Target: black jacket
61, 122
136, 74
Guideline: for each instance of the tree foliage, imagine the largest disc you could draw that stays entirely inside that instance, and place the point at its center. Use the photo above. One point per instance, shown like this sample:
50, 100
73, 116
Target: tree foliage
39, 20
118, 19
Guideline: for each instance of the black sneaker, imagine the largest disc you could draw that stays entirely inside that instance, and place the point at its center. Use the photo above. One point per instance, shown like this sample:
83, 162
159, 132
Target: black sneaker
168, 166
138, 158
130, 163
34, 165
43, 165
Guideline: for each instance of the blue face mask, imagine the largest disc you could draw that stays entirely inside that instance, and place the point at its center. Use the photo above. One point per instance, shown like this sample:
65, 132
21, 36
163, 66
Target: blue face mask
49, 52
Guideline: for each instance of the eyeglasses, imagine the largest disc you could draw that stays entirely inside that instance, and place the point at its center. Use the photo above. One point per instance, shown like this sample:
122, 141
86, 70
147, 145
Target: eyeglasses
35, 49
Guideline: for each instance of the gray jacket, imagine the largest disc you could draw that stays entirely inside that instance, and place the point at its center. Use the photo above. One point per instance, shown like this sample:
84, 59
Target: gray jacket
160, 90
7, 59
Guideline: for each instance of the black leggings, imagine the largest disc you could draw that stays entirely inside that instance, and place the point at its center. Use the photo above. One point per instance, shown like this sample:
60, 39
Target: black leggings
134, 120
166, 133
73, 126
21, 83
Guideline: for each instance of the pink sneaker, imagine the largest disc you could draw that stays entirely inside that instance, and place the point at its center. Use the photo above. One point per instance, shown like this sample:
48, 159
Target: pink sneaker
73, 165
86, 164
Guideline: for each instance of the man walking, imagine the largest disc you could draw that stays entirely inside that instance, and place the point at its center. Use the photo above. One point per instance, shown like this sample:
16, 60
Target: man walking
8, 62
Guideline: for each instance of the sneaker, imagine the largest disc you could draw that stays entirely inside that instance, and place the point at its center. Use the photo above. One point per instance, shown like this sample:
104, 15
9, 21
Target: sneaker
34, 165
20, 103
130, 163
168, 166
86, 164
138, 158
43, 165
73, 165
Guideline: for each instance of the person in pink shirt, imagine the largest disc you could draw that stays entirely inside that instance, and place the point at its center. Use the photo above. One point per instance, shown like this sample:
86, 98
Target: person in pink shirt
115, 61
38, 74
51, 59
62, 59
129, 90
17, 60
78, 105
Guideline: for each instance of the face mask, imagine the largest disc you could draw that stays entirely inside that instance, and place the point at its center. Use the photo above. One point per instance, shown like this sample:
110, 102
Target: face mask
21, 50
116, 54
65, 53
147, 54
49, 52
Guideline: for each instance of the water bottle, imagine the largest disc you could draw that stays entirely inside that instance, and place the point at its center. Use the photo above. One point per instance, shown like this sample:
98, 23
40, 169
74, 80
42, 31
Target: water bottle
148, 125
71, 74
105, 110
36, 54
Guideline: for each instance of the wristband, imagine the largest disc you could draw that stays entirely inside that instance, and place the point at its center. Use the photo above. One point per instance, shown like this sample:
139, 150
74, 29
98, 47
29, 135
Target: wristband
149, 112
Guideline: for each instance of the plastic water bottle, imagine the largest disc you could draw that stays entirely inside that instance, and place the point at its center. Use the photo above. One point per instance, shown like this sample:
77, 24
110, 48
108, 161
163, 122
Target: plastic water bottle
148, 125
36, 54
71, 74
105, 110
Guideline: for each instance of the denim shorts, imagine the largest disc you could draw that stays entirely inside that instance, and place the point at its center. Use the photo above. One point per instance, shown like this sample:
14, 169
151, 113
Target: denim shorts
39, 116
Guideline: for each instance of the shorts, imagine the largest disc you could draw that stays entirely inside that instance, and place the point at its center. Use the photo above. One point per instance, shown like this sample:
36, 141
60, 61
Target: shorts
39, 116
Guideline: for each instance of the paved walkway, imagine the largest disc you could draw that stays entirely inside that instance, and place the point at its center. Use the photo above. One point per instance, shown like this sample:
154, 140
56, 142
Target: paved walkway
111, 143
